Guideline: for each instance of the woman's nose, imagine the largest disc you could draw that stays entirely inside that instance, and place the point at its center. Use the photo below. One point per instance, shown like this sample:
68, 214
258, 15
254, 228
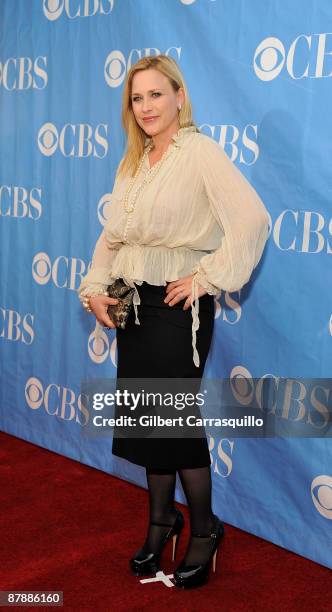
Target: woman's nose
146, 104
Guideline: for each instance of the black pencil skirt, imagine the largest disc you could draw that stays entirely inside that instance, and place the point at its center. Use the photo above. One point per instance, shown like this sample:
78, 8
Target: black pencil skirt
161, 347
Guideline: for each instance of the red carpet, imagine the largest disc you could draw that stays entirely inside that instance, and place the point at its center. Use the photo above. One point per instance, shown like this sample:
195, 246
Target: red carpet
68, 527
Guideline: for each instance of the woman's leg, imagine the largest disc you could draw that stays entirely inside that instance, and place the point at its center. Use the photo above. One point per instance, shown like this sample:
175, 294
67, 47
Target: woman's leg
161, 486
197, 486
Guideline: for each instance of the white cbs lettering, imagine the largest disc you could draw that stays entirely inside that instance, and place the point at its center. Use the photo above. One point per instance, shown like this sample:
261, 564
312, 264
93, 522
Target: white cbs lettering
17, 327
302, 231
65, 272
57, 401
307, 51
301, 402
233, 311
73, 9
24, 73
234, 142
19, 202
116, 66
74, 140
222, 457
321, 494
295, 400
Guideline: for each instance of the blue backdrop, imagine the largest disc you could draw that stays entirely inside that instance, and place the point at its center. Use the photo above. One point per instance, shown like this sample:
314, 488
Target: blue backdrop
259, 75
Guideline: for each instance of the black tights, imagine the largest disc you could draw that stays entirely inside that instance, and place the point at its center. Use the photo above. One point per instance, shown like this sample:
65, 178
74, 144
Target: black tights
196, 483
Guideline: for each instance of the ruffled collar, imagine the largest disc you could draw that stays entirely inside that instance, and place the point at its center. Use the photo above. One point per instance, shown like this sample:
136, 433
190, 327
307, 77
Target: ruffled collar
179, 136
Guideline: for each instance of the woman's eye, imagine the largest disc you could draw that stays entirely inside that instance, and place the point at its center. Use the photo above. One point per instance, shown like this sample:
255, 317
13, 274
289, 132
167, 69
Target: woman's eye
155, 93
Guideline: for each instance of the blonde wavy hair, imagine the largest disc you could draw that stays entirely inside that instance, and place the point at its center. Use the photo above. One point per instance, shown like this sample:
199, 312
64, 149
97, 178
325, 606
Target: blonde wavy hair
135, 135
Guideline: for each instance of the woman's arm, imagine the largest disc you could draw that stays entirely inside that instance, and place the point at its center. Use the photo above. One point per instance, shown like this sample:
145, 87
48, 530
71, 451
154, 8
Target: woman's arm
98, 278
241, 214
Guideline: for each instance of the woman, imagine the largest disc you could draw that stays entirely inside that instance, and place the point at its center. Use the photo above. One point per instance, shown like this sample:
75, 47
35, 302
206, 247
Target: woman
185, 224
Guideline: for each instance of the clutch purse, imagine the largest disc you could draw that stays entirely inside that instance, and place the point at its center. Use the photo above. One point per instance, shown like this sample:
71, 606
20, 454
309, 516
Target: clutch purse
119, 312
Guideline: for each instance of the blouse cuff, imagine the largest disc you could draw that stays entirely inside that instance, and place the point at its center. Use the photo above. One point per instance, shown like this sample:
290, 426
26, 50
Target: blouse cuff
95, 282
202, 280
91, 290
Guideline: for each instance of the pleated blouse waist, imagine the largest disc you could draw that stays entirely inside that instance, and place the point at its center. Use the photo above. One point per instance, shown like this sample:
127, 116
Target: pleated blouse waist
158, 265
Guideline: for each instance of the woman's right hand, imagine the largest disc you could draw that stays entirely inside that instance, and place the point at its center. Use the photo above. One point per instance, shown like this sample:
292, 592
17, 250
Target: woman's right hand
99, 305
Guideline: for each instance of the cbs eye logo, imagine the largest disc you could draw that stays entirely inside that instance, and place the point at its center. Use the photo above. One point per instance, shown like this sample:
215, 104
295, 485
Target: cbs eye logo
269, 59
104, 208
102, 345
115, 68
321, 493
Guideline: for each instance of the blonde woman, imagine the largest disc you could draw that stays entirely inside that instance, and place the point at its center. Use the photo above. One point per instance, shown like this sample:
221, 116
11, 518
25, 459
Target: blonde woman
185, 224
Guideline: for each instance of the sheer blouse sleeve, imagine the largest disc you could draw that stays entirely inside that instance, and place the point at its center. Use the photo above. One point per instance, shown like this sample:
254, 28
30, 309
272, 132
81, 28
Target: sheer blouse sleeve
241, 215
99, 276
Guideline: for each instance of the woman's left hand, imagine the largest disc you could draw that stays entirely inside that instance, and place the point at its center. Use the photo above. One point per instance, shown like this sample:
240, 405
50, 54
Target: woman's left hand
180, 289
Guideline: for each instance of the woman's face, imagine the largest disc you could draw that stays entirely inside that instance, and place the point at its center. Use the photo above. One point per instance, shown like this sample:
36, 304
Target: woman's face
155, 103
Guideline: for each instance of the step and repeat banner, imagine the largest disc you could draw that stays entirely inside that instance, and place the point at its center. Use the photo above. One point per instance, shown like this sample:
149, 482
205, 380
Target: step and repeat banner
259, 76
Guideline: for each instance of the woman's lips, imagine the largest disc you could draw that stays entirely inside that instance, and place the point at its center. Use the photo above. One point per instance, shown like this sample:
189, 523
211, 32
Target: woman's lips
148, 119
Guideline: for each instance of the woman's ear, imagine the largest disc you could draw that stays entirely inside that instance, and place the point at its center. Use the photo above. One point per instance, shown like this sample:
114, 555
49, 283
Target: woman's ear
181, 96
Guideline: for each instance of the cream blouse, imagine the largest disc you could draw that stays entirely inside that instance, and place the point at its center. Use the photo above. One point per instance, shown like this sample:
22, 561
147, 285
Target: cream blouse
197, 215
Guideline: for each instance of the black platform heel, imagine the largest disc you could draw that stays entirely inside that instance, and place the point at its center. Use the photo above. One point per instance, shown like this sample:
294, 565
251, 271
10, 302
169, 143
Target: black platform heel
190, 576
144, 563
